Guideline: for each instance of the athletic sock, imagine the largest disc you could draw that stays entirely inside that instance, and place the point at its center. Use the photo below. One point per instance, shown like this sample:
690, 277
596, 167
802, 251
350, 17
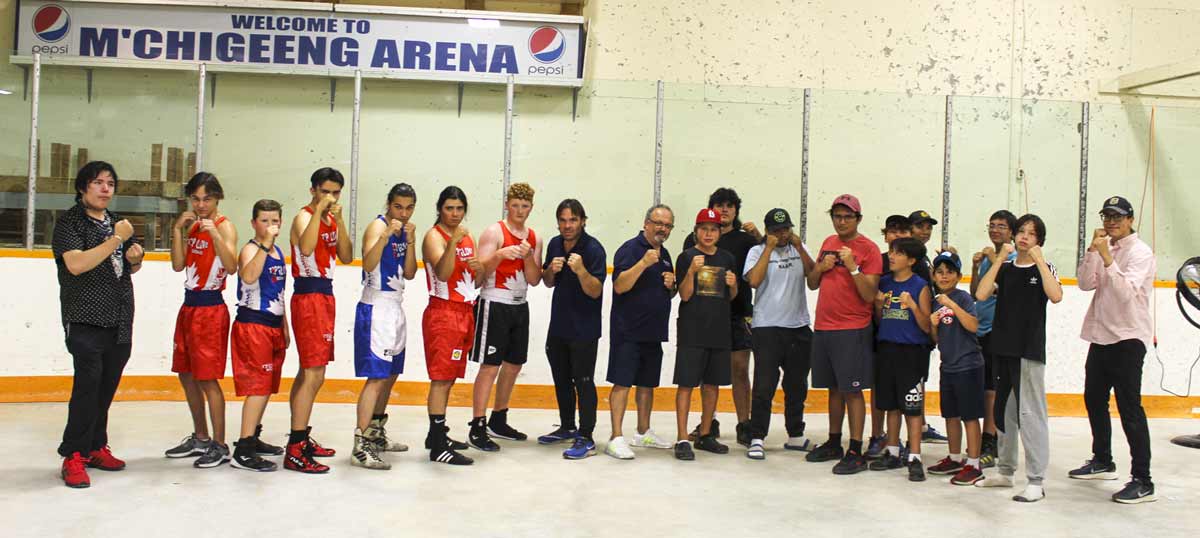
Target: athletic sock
835, 438
856, 446
955, 457
973, 462
297, 436
914, 457
894, 451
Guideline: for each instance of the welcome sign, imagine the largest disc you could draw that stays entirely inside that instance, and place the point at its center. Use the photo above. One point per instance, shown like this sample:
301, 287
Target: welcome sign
425, 43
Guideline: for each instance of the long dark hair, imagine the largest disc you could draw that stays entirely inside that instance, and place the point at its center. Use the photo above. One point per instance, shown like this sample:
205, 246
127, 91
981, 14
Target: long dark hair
728, 196
1039, 227
212, 186
403, 190
450, 193
89, 173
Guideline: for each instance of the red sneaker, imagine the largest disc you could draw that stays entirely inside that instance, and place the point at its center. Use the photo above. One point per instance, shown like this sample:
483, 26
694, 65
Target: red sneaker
320, 451
946, 466
104, 460
967, 476
74, 471
299, 457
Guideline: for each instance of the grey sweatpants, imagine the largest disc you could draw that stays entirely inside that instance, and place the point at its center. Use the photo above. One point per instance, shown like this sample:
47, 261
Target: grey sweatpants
1025, 415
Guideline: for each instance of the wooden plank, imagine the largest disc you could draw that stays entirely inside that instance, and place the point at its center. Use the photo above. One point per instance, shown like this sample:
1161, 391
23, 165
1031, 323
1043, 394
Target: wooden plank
174, 164
55, 162
81, 158
156, 151
64, 164
191, 164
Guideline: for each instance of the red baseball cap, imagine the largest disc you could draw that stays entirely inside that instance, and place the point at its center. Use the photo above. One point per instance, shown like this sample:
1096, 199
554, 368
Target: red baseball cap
849, 201
707, 215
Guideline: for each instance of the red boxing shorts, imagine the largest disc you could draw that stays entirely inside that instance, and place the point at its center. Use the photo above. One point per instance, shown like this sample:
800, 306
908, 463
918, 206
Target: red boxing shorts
258, 352
312, 328
201, 341
449, 329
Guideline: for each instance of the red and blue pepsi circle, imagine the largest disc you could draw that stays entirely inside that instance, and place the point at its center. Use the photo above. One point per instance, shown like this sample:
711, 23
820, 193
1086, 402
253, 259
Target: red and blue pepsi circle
51, 23
547, 44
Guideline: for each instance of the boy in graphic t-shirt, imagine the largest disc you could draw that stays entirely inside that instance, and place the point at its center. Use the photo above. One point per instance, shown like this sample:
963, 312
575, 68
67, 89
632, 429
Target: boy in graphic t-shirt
707, 280
962, 389
1022, 287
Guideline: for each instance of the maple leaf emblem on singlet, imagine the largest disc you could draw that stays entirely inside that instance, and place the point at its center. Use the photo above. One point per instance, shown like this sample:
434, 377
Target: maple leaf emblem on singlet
191, 277
466, 287
395, 283
275, 307
515, 282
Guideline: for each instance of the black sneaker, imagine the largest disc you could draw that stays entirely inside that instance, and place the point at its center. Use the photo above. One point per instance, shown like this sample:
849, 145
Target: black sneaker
213, 457
450, 443
916, 471
498, 427
743, 433
709, 443
264, 449
828, 451
478, 437
683, 451
246, 457
886, 462
852, 463
449, 456
715, 430
1137, 491
1093, 470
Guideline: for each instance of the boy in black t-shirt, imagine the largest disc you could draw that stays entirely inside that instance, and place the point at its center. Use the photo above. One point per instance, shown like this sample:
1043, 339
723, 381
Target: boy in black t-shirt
707, 283
1022, 287
954, 322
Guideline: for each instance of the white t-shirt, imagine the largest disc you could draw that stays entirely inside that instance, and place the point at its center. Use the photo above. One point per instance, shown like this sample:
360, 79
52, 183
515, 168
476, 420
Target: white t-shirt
780, 300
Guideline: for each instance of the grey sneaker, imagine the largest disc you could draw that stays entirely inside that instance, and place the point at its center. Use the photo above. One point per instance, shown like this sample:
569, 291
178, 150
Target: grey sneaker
190, 446
377, 433
213, 457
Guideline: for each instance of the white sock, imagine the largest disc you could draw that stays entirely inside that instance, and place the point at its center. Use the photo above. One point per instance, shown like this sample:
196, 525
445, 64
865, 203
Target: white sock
914, 457
955, 457
973, 462
1033, 492
894, 450
758, 442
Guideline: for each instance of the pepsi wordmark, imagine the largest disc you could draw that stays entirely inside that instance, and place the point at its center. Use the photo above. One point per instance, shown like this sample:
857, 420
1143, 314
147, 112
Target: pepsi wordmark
314, 41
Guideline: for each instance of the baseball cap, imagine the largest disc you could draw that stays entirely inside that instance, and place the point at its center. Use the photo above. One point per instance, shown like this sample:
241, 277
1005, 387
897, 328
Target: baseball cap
707, 215
921, 216
950, 258
897, 222
849, 201
776, 219
1118, 205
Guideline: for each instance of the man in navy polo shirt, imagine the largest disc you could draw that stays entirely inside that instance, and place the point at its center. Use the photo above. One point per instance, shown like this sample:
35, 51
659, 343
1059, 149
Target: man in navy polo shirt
643, 285
575, 267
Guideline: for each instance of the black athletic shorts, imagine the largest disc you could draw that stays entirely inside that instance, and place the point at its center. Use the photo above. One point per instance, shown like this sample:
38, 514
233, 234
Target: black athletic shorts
900, 378
962, 394
843, 359
695, 366
501, 333
989, 359
634, 364
740, 335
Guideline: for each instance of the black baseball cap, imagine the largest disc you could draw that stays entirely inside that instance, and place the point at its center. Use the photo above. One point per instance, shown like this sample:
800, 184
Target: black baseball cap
897, 222
777, 218
1118, 205
948, 257
921, 216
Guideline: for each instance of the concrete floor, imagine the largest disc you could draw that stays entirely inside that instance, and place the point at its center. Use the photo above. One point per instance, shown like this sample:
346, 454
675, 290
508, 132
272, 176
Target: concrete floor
529, 490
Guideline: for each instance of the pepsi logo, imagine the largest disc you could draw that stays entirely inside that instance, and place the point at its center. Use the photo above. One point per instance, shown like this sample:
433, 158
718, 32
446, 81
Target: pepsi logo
51, 23
547, 44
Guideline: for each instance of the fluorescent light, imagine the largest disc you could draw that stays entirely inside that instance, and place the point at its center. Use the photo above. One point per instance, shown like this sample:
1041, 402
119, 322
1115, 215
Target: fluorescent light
5, 92
483, 23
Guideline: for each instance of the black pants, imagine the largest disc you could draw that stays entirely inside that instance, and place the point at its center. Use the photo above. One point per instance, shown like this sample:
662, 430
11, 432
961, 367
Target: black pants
1117, 367
99, 361
573, 365
775, 349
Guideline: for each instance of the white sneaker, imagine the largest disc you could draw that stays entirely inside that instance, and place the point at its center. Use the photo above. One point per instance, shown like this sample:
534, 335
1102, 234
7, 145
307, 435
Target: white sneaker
619, 448
756, 450
995, 481
650, 440
1031, 494
799, 443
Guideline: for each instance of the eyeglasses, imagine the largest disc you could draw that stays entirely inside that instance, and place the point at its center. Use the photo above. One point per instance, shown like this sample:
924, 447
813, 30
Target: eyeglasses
843, 217
1111, 217
664, 225
997, 227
